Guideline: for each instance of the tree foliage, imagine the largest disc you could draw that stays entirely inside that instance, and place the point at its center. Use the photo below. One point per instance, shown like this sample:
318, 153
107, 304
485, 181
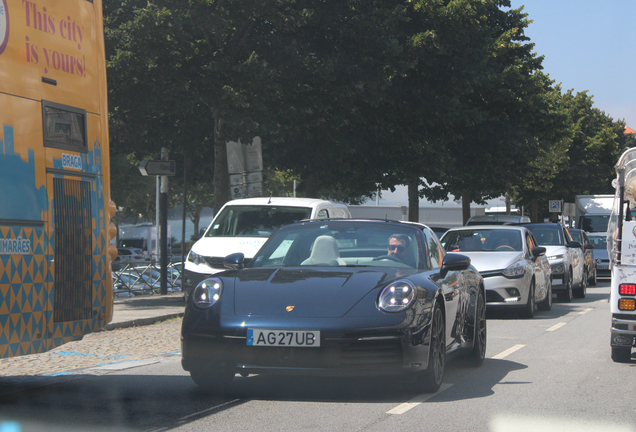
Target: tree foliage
446, 96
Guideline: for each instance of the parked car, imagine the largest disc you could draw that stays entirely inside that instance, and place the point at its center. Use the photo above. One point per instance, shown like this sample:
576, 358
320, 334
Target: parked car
129, 283
566, 259
329, 298
588, 252
128, 255
497, 220
243, 225
599, 241
515, 269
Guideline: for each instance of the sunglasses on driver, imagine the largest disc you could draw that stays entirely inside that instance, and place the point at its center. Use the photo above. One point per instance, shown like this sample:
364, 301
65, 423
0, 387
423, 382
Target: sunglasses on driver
400, 248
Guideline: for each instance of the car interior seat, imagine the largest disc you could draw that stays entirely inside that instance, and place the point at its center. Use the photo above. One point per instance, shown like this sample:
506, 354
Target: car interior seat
324, 252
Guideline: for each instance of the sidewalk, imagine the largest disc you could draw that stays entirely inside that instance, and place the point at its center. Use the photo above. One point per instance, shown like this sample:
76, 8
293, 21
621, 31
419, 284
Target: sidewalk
145, 310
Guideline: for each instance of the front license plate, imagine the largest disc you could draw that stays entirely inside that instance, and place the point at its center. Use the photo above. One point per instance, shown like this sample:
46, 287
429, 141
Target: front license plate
603, 267
557, 281
283, 338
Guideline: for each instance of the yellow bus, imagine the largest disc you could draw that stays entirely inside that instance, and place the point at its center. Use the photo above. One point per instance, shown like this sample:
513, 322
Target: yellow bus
55, 207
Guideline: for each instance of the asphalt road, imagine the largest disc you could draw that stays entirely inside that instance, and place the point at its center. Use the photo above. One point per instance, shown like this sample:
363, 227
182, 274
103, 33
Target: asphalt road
550, 373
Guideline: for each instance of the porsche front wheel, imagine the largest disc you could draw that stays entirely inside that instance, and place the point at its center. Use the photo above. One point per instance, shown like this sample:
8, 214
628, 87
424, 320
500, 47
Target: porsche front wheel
434, 373
478, 353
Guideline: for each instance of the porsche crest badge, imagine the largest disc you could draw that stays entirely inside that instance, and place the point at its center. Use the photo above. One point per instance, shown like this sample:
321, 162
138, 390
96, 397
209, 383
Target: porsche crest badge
290, 308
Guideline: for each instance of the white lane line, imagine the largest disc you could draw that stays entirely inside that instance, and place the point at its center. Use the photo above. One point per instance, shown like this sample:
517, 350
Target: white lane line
556, 327
584, 311
507, 352
125, 365
402, 408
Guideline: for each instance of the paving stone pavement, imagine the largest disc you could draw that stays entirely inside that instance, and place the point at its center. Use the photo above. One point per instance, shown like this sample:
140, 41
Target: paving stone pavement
99, 350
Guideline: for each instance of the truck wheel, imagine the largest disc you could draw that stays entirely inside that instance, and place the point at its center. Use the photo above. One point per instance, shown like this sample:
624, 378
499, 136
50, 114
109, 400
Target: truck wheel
621, 354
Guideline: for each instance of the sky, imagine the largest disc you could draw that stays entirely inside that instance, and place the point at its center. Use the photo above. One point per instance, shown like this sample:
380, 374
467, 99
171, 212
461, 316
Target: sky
587, 46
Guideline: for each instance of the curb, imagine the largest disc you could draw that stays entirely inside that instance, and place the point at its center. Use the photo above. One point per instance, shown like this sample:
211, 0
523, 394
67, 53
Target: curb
140, 322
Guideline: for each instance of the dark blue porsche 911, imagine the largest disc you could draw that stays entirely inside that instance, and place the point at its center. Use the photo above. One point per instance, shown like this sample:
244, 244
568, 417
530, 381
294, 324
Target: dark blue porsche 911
337, 297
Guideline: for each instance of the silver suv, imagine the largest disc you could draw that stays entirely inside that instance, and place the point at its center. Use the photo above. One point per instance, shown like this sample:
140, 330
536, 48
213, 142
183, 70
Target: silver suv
569, 278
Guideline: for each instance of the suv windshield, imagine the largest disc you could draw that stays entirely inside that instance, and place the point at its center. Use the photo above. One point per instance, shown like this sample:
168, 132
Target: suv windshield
255, 221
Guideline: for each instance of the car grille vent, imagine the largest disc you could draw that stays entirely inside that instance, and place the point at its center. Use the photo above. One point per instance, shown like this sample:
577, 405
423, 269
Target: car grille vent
217, 262
372, 353
493, 297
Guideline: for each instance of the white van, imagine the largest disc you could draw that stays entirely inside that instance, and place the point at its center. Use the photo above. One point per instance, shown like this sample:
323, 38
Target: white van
243, 225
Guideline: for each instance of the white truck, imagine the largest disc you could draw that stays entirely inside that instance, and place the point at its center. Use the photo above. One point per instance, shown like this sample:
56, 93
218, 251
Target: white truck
621, 247
141, 236
593, 212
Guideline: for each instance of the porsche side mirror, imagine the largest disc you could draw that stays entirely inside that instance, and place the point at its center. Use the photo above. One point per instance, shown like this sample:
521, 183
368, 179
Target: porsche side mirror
454, 262
589, 246
234, 261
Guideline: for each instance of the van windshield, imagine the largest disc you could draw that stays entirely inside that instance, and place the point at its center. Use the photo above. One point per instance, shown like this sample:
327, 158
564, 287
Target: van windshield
254, 221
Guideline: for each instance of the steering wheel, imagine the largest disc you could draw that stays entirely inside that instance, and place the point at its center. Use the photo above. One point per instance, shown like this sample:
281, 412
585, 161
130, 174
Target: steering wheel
506, 247
387, 257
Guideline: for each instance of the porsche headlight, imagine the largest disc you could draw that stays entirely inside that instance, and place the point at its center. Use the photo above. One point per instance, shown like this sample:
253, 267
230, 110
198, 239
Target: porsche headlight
397, 297
207, 292
515, 270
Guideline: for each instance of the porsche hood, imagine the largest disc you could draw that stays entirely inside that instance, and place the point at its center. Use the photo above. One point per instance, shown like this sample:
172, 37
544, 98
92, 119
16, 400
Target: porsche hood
311, 293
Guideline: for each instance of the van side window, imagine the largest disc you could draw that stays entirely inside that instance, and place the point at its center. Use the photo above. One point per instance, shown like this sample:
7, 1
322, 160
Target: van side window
323, 214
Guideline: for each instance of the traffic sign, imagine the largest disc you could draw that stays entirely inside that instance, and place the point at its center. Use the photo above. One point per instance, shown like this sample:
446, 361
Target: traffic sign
158, 167
556, 206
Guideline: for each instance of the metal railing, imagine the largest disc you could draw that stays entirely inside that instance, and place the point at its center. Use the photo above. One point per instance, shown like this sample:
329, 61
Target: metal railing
137, 278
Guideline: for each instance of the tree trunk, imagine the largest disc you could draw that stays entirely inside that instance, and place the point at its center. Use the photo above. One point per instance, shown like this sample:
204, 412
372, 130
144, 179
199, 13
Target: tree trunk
535, 210
414, 199
466, 199
221, 173
311, 186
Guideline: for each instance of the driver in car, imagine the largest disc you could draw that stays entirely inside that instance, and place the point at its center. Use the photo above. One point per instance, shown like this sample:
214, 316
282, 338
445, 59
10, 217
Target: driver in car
399, 246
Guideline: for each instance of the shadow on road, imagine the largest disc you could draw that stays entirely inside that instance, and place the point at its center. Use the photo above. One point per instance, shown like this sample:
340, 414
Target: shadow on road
153, 402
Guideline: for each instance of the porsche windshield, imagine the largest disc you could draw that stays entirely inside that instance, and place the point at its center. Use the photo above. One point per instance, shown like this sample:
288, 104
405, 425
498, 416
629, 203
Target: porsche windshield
255, 221
341, 244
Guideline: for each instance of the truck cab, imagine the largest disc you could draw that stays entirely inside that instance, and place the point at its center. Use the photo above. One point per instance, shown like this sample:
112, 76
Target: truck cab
621, 247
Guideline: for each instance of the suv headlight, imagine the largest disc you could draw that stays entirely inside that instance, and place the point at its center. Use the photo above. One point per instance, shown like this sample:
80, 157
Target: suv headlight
556, 257
397, 296
207, 292
515, 270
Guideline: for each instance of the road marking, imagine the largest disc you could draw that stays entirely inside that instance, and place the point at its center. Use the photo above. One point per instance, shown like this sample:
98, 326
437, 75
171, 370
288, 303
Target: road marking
584, 311
556, 327
406, 406
507, 352
126, 364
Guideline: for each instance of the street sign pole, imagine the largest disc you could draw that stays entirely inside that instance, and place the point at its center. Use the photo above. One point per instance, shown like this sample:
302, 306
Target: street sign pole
163, 201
